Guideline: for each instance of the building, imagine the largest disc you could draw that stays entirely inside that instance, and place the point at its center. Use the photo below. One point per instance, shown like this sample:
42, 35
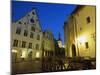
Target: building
48, 44
26, 38
80, 33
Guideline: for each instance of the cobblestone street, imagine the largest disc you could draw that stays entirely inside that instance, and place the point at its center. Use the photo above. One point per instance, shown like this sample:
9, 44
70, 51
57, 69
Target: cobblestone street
26, 67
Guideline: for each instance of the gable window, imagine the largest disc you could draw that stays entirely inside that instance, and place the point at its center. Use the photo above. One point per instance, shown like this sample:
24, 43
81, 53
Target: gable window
31, 35
18, 30
88, 19
15, 44
32, 20
20, 22
33, 13
25, 32
30, 45
23, 44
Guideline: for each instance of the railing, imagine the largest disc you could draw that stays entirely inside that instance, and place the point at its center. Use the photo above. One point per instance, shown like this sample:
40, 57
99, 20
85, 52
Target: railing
59, 64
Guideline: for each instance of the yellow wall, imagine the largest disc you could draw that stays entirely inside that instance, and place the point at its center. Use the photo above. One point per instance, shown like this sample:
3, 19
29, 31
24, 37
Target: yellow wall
87, 30
77, 29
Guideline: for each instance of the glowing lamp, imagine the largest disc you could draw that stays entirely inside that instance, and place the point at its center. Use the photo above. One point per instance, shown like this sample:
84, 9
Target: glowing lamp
14, 51
81, 39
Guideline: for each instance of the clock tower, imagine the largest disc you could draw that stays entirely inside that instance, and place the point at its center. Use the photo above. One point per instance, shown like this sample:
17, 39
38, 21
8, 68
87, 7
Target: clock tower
59, 41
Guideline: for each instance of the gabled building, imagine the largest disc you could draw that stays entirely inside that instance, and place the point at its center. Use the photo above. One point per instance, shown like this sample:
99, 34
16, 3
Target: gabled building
26, 38
48, 44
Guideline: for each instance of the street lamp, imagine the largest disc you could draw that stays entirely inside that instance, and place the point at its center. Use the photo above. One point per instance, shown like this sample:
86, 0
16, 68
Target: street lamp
81, 39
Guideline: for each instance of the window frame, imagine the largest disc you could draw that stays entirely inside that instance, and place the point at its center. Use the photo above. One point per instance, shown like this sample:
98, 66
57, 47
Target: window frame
23, 44
15, 43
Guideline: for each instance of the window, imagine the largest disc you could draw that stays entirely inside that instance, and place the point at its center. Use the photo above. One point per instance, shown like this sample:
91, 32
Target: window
15, 44
25, 23
32, 20
37, 47
86, 45
25, 32
31, 35
28, 15
23, 44
30, 45
33, 13
88, 19
20, 22
18, 30
80, 28
32, 28
38, 37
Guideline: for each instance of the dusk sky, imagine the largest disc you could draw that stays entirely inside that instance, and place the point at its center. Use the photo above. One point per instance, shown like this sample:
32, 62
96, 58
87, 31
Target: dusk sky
51, 16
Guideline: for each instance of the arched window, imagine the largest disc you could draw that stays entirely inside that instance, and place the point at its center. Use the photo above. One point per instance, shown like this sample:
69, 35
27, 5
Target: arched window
37, 47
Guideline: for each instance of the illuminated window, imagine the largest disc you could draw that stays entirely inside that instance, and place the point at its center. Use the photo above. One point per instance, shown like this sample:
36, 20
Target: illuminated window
88, 19
18, 30
15, 44
37, 55
25, 32
30, 45
23, 44
86, 45
31, 35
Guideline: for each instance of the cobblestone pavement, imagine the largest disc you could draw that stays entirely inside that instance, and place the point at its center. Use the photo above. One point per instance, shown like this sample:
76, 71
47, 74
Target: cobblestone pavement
26, 67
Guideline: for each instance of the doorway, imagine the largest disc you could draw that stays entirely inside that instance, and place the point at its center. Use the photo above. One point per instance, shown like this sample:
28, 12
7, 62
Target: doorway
73, 50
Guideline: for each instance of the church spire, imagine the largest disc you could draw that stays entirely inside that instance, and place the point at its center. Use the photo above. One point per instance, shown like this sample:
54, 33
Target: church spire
59, 37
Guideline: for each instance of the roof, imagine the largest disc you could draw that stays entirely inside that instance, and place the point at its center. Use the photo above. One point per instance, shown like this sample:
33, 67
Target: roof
78, 8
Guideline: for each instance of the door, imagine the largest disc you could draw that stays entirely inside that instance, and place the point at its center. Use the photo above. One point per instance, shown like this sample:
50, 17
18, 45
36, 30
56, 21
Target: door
73, 50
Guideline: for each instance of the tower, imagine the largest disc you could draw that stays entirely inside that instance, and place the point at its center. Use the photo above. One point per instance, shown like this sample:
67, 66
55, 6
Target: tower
59, 41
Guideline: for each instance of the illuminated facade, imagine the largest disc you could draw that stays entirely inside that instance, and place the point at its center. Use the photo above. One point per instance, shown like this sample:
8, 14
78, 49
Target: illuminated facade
80, 33
48, 43
26, 38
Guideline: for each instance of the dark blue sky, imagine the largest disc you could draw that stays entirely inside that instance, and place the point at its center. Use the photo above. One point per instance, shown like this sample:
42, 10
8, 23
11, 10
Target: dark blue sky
51, 16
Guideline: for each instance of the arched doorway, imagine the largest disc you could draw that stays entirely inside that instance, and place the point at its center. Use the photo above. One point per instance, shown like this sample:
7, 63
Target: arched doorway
73, 50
